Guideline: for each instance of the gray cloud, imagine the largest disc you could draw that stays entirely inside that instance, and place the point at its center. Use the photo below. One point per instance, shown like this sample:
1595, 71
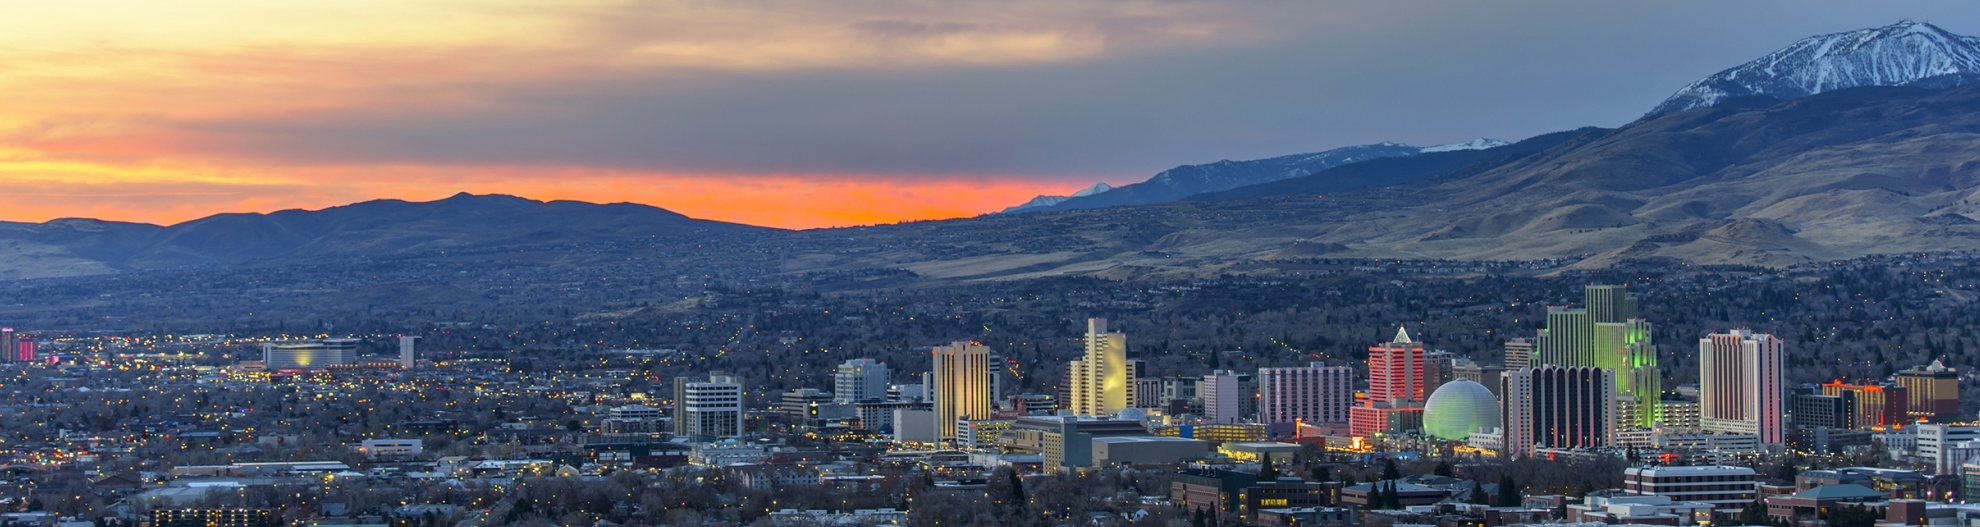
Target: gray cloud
1419, 72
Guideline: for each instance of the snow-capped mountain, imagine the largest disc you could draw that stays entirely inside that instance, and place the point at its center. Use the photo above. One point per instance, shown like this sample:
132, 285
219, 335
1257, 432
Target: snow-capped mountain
1175, 183
1474, 144
1047, 201
1902, 54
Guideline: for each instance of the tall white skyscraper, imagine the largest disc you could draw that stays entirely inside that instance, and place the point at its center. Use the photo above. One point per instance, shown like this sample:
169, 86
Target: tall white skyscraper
1739, 384
1313, 394
859, 380
706, 410
406, 358
1100, 381
961, 383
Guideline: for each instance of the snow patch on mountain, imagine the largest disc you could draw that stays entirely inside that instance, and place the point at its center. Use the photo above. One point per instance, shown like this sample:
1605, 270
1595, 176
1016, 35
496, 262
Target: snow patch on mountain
1047, 201
1903, 54
1474, 144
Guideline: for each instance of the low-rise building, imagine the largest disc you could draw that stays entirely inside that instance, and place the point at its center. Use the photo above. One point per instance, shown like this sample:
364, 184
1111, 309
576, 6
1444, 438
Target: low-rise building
726, 453
774, 477
1613, 508
378, 449
1252, 452
1727, 488
1210, 489
1146, 450
1813, 505
1408, 493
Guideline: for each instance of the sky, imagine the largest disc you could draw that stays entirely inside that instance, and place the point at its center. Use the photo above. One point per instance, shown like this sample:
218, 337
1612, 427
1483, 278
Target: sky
803, 114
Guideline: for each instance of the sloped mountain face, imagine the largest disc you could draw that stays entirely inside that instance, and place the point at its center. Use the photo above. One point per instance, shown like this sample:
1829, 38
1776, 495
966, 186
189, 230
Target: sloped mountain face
372, 228
1176, 183
1445, 161
1846, 173
1903, 54
1837, 175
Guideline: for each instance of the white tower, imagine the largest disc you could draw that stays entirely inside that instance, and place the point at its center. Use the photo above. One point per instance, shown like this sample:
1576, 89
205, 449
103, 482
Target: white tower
406, 357
1739, 387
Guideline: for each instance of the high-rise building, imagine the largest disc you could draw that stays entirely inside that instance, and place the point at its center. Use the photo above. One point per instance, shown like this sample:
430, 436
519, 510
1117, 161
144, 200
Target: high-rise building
1314, 394
1877, 405
1478, 373
26, 349
1557, 407
1396, 373
1933, 391
1519, 353
1398, 385
309, 355
1606, 333
8, 344
708, 409
1739, 385
1223, 397
1099, 382
406, 357
859, 380
1437, 369
961, 385
1814, 410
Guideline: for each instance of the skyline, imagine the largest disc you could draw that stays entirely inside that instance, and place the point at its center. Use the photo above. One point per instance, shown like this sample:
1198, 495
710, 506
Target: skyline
786, 115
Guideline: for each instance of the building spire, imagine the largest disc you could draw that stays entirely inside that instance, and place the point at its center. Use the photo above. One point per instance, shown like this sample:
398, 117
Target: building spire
1402, 335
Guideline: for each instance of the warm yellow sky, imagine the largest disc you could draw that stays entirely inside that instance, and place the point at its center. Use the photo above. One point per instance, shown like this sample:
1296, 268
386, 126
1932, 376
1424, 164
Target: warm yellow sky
151, 111
800, 113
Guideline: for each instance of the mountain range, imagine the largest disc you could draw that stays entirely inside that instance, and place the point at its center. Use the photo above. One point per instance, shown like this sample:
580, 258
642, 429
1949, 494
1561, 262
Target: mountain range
373, 228
1838, 146
1902, 54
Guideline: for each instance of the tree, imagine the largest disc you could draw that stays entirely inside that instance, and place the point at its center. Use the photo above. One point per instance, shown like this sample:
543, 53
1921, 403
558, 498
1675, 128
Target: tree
1389, 470
1017, 492
1754, 514
1322, 473
1267, 472
1477, 496
1443, 469
1508, 492
1852, 516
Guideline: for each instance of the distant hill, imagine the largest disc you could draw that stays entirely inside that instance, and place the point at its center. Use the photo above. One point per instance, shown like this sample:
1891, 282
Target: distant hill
1399, 170
373, 228
1903, 54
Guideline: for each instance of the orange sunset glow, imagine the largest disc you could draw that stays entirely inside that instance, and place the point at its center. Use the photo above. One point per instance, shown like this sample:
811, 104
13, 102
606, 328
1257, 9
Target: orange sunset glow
166, 112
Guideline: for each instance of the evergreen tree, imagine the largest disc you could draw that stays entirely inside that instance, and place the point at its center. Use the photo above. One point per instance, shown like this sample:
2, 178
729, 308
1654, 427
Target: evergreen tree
1754, 514
1477, 494
1443, 469
1508, 492
1267, 472
1389, 470
1018, 499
